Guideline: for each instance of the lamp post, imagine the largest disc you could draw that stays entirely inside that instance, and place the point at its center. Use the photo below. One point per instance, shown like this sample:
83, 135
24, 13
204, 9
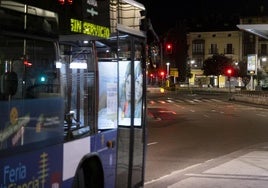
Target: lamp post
192, 62
167, 69
167, 73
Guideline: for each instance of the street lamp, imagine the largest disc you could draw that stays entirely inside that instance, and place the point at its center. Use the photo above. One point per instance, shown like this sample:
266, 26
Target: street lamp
167, 73
192, 62
167, 69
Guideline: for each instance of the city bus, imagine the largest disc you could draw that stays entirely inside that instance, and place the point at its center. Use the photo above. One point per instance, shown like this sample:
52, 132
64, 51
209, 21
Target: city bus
72, 100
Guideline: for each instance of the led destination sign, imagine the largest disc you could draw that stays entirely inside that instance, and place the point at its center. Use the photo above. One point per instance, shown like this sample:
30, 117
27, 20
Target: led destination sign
83, 27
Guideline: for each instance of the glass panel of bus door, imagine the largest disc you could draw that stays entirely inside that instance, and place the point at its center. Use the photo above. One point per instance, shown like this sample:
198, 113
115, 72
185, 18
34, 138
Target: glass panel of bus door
131, 115
78, 71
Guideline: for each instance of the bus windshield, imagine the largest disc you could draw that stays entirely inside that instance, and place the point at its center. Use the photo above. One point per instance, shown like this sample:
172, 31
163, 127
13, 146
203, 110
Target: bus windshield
29, 78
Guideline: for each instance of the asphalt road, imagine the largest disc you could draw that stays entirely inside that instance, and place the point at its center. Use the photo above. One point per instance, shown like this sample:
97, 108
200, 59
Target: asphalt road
187, 130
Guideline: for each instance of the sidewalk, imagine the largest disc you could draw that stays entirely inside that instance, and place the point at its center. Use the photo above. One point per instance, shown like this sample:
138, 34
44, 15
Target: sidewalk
249, 98
247, 168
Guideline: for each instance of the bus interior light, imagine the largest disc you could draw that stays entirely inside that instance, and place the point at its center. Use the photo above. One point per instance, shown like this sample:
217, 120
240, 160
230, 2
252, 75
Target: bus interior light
78, 65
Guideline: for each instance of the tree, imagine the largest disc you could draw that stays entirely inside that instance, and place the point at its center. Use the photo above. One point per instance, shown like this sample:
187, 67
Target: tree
188, 71
216, 65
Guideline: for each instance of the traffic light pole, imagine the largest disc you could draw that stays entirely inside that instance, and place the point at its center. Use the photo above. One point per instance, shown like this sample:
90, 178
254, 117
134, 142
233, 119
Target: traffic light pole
229, 79
150, 28
229, 73
161, 55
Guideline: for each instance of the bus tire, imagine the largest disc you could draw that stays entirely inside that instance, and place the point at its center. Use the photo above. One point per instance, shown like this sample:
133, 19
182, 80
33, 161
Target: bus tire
89, 175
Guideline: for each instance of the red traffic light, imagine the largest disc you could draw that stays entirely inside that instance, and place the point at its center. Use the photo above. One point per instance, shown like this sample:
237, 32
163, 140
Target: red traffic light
169, 48
229, 72
27, 63
62, 2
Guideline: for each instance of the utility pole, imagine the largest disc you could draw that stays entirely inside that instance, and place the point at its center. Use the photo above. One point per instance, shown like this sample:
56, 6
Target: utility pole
150, 28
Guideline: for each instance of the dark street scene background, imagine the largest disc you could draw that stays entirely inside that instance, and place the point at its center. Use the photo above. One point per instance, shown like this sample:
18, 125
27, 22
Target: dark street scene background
201, 138
207, 106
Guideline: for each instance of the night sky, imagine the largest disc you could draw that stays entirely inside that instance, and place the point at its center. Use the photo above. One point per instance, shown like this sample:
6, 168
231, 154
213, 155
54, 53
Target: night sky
171, 12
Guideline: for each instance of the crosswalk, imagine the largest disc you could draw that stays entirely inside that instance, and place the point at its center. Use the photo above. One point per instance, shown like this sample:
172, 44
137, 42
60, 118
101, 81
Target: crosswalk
184, 101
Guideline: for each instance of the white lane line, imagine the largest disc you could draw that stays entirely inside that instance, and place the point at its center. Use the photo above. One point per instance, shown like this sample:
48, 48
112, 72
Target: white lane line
172, 173
152, 143
262, 115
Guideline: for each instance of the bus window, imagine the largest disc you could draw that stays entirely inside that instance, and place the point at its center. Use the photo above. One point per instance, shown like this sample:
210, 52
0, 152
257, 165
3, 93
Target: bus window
29, 83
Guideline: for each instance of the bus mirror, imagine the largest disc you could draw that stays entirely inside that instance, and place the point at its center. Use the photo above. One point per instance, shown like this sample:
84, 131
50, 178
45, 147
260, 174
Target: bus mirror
9, 83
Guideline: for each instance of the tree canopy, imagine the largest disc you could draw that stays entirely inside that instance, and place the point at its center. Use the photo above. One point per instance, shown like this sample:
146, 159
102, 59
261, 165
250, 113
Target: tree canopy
216, 65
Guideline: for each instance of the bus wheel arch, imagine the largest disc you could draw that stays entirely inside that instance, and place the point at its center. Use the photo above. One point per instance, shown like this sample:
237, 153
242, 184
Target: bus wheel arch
89, 174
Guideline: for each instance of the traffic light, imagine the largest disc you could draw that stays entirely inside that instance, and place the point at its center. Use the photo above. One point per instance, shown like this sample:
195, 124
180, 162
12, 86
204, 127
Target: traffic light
62, 2
169, 48
229, 72
70, 2
27, 63
162, 74
42, 79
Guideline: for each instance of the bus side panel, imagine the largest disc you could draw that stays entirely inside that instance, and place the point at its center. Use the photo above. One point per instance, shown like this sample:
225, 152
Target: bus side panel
105, 144
41, 168
29, 121
102, 144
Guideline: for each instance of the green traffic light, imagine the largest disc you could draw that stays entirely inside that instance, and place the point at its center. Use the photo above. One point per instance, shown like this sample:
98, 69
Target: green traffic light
42, 79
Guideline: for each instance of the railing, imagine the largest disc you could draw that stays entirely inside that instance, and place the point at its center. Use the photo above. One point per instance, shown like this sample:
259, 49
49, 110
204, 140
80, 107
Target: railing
254, 93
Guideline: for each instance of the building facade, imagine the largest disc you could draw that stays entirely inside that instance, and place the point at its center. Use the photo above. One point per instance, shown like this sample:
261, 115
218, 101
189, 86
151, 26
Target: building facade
236, 44
203, 45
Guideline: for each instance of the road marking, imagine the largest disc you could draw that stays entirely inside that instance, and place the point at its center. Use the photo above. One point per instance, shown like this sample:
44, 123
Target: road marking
190, 101
227, 176
167, 111
216, 100
152, 143
197, 100
262, 115
169, 100
172, 173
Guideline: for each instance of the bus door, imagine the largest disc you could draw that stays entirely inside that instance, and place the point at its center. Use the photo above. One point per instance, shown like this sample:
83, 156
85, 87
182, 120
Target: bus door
122, 103
131, 113
82, 89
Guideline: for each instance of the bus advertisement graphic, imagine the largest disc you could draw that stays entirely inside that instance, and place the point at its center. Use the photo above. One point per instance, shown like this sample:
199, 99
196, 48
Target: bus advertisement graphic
36, 124
32, 170
125, 93
107, 116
